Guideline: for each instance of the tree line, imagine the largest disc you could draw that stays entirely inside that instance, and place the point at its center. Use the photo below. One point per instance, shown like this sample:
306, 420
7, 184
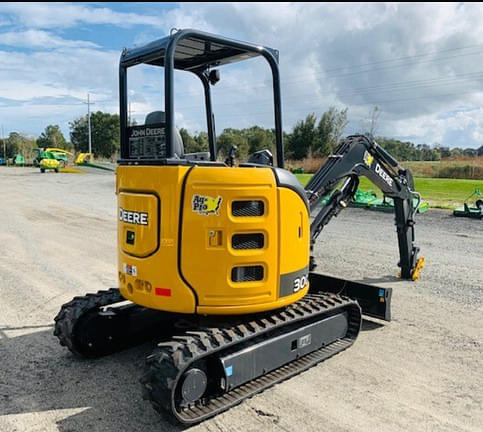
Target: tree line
311, 137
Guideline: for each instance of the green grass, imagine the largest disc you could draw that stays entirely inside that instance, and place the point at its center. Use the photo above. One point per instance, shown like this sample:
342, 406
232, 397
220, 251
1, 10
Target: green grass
304, 178
438, 192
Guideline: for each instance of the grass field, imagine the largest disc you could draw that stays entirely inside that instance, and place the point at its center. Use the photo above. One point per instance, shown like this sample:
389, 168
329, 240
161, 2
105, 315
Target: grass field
438, 192
463, 167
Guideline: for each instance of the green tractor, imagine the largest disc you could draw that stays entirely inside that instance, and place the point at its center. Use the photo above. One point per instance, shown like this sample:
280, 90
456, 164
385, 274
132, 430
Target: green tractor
60, 155
49, 162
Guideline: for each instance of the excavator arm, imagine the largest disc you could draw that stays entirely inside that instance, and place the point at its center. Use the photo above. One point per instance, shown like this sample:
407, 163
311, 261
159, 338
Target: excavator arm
358, 156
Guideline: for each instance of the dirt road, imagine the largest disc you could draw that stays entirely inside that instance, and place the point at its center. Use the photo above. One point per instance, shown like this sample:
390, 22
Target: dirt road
421, 372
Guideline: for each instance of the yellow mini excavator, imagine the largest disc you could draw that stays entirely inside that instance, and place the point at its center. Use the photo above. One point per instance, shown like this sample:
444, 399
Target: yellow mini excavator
214, 260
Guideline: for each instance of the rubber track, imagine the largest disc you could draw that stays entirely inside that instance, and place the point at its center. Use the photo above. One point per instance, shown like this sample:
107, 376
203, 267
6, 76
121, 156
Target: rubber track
70, 312
170, 359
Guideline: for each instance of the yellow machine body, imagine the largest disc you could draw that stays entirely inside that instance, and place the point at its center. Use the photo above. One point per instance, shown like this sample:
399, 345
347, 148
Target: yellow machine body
210, 239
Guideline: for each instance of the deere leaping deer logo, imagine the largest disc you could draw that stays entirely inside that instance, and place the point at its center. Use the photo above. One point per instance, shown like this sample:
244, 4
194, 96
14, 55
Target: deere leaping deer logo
368, 158
205, 205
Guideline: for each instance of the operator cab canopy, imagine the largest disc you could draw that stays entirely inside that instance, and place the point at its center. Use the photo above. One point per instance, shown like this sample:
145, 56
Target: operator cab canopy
197, 52
190, 53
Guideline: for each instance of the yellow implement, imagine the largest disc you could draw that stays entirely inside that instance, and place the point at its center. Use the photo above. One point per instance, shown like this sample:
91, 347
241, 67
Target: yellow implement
58, 150
82, 158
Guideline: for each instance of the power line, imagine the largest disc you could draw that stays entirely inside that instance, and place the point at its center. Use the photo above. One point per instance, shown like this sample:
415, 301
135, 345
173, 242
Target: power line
406, 57
298, 81
384, 88
316, 107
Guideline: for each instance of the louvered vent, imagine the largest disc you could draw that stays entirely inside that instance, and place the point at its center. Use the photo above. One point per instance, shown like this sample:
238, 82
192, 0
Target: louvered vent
247, 274
247, 208
247, 241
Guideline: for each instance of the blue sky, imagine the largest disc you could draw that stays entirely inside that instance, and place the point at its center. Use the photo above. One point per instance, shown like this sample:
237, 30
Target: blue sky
419, 63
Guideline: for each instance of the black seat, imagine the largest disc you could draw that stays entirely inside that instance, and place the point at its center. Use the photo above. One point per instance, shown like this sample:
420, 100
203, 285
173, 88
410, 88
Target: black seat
159, 117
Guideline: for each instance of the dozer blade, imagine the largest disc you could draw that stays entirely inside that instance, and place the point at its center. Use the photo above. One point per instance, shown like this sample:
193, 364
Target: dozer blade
374, 301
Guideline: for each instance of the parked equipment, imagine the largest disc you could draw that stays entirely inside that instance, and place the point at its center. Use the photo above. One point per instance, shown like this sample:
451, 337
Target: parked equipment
216, 259
49, 162
18, 160
86, 159
60, 155
83, 158
472, 211
369, 200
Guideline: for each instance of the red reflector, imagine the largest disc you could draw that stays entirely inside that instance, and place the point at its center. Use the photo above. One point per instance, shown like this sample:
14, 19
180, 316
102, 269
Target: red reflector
166, 292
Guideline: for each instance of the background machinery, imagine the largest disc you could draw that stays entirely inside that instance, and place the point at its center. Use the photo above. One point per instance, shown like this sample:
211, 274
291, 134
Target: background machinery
472, 211
215, 259
52, 153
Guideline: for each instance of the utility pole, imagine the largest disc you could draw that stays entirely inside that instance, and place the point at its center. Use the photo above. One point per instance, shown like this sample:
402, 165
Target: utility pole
4, 146
130, 120
89, 103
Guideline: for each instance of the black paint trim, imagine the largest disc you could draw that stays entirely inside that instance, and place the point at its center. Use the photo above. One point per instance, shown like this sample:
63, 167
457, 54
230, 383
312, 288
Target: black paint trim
180, 236
287, 281
287, 180
167, 161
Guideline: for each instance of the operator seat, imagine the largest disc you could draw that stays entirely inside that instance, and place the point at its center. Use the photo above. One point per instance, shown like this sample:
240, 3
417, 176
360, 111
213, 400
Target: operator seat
159, 117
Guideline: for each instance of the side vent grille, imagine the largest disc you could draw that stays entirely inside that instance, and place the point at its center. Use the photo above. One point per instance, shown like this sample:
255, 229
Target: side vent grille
248, 241
247, 274
247, 208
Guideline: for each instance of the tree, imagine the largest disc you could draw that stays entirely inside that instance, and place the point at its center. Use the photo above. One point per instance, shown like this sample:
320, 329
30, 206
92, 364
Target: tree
456, 152
402, 151
200, 143
369, 124
445, 152
303, 138
104, 134
259, 139
18, 143
232, 138
480, 151
188, 141
470, 152
329, 130
52, 137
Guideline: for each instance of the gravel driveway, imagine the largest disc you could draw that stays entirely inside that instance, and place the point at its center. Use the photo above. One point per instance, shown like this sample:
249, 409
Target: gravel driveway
420, 372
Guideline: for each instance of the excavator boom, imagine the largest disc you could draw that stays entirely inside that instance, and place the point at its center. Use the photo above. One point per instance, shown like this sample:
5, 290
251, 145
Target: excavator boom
359, 155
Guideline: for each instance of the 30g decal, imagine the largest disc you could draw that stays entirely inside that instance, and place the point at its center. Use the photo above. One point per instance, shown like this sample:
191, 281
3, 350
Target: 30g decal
300, 283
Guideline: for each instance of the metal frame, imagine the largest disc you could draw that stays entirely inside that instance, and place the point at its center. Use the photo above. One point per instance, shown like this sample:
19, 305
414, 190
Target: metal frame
152, 54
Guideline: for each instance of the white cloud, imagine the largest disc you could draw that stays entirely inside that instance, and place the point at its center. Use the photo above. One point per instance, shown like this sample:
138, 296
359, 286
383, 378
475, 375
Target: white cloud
41, 39
64, 15
346, 55
418, 62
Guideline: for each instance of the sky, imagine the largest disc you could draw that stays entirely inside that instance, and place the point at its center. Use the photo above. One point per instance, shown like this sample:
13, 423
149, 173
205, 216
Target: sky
418, 63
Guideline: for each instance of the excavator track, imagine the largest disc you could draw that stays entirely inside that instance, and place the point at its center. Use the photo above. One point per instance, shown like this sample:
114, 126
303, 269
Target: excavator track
197, 357
90, 327
66, 321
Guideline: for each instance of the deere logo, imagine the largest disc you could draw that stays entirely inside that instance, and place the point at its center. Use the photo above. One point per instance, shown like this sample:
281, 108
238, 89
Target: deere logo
205, 205
133, 217
368, 159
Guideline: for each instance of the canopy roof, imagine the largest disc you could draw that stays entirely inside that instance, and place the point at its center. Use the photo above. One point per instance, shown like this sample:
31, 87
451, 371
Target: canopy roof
194, 50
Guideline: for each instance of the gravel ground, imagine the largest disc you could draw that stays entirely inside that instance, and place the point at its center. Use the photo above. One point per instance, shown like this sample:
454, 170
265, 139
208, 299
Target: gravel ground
420, 372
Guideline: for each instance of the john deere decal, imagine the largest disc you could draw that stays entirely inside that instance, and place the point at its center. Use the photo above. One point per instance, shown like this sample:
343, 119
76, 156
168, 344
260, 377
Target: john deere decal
205, 205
